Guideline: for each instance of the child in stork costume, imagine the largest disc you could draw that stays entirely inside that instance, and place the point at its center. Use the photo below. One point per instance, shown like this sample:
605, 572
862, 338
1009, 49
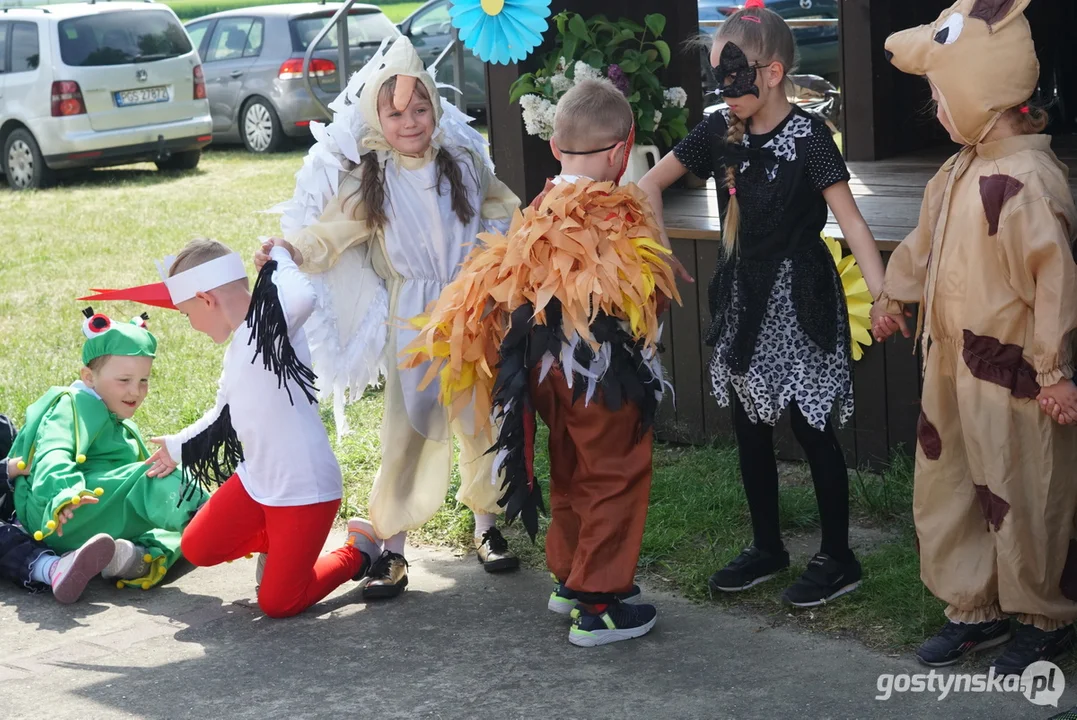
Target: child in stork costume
991, 265
30, 563
389, 200
263, 442
560, 318
82, 452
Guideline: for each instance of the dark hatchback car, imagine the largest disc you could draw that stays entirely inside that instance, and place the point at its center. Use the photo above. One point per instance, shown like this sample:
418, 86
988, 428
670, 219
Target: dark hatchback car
818, 46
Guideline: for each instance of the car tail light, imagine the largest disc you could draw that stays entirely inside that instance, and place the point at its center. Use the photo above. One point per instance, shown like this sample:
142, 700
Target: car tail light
199, 83
67, 99
319, 67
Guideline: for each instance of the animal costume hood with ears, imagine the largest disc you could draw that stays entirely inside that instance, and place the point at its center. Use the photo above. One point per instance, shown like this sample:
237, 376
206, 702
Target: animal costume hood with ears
980, 57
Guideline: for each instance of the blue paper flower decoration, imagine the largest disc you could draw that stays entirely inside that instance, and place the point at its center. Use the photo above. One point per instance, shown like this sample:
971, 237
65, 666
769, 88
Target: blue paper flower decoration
500, 31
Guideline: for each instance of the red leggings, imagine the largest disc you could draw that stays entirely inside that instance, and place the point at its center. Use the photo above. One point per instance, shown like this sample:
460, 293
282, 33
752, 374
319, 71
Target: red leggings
232, 525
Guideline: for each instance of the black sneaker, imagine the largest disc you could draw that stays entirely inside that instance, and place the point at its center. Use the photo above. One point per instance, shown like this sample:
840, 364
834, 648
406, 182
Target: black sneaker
619, 621
1030, 644
563, 601
824, 579
748, 569
956, 640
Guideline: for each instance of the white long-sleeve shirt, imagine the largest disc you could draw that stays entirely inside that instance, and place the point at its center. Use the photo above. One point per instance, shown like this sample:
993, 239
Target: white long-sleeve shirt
287, 457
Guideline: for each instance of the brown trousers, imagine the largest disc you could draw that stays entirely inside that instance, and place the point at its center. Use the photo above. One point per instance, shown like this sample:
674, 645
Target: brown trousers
600, 484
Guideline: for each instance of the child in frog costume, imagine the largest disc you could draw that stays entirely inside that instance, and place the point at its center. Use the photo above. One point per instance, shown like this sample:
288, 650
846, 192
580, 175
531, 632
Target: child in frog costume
79, 442
991, 265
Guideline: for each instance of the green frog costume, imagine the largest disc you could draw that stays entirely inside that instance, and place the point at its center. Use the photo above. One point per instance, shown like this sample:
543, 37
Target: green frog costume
76, 448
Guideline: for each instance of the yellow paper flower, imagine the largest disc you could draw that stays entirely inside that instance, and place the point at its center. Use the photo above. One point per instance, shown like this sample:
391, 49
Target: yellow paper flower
857, 296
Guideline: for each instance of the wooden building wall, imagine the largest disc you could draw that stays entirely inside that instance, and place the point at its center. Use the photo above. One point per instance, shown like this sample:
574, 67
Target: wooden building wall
887, 112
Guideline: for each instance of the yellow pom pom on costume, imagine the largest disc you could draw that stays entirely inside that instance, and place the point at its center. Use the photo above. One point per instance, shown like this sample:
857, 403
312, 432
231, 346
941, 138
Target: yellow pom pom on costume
147, 558
76, 500
38, 535
50, 525
80, 458
21, 465
857, 296
99, 491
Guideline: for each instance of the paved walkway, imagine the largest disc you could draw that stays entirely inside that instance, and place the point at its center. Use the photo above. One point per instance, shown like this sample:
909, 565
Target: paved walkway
458, 644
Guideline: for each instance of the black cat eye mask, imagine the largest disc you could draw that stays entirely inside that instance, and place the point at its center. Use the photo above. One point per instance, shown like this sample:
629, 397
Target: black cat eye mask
736, 76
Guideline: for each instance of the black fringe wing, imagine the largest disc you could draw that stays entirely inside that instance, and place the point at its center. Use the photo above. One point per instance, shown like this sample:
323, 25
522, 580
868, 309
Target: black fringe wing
521, 352
210, 457
269, 335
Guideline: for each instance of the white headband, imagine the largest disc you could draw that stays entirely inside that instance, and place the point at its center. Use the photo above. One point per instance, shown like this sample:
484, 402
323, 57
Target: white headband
201, 278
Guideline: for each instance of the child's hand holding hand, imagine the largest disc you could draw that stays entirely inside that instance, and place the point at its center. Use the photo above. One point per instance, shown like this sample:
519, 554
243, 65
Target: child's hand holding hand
1059, 402
884, 324
261, 257
161, 462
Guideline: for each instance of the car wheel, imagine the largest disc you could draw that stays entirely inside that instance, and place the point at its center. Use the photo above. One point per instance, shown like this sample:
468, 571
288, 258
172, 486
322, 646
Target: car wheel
260, 127
187, 160
24, 166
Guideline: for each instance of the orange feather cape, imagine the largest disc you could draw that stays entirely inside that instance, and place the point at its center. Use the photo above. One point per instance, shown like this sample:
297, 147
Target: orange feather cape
594, 246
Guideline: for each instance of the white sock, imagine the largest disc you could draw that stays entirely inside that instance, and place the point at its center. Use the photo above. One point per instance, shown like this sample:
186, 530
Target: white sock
396, 543
483, 522
41, 570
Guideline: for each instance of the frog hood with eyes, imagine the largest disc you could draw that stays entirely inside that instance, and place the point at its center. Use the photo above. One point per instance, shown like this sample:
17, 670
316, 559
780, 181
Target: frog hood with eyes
980, 57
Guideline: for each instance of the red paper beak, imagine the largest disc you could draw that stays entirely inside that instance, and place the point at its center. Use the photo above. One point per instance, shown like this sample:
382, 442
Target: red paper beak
155, 295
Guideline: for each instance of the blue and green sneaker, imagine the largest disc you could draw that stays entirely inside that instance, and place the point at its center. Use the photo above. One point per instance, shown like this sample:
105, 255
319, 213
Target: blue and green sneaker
618, 621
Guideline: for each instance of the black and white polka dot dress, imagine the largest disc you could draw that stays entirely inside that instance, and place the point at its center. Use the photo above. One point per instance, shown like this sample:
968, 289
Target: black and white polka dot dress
779, 320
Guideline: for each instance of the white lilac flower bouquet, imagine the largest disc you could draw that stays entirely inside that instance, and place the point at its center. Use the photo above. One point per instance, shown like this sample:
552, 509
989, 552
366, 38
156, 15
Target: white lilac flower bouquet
630, 55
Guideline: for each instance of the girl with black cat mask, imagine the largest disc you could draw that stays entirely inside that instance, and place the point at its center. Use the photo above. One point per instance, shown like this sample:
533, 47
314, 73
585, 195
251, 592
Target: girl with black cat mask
780, 323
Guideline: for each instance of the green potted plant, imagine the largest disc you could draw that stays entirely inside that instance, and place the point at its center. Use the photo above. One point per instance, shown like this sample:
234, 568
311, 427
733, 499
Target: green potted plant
631, 56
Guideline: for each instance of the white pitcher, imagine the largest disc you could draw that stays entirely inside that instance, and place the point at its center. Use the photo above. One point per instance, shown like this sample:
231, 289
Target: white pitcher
640, 160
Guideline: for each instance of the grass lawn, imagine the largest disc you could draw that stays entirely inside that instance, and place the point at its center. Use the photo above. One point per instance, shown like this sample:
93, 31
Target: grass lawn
191, 9
105, 231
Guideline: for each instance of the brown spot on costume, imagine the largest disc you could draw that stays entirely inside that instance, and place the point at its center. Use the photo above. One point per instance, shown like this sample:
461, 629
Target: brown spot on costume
992, 506
991, 265
995, 190
930, 441
1004, 365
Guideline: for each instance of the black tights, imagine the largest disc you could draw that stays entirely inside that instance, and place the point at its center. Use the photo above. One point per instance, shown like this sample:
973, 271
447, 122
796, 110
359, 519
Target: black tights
759, 471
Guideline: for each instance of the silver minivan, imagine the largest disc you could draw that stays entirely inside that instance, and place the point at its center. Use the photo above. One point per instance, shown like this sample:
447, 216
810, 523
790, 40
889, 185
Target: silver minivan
253, 60
98, 84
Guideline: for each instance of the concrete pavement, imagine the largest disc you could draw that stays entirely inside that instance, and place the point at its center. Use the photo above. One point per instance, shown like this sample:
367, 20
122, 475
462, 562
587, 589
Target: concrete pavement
458, 644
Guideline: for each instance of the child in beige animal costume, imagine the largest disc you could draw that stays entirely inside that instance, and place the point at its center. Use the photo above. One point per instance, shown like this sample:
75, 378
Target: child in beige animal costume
992, 267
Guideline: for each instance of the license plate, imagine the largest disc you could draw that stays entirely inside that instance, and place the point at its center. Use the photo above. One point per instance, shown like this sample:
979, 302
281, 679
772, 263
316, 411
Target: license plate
142, 96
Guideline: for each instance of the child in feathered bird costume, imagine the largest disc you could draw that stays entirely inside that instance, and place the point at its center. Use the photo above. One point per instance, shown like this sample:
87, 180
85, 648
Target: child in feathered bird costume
560, 317
387, 205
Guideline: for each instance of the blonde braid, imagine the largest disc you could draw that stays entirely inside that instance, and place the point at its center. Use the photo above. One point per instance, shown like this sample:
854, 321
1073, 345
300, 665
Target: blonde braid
734, 136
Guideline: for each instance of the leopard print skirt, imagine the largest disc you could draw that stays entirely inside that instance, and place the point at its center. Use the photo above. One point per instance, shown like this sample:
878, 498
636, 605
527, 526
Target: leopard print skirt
787, 365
